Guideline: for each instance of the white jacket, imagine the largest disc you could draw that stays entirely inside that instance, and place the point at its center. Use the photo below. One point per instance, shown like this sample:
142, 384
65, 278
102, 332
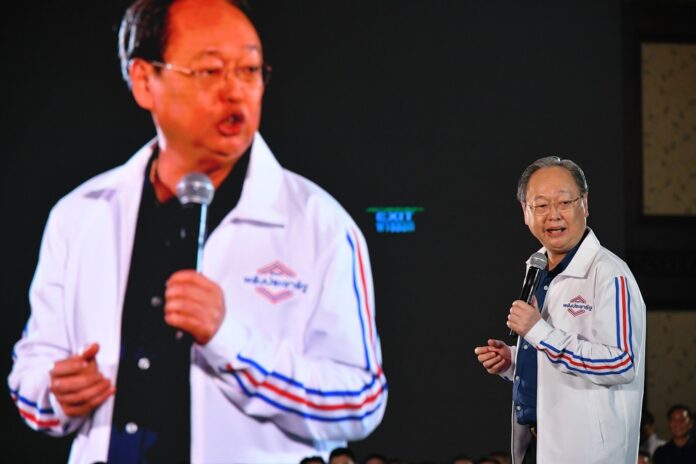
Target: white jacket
295, 368
591, 363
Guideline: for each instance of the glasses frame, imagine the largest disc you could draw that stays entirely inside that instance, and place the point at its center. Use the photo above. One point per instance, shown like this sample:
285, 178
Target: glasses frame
568, 205
266, 70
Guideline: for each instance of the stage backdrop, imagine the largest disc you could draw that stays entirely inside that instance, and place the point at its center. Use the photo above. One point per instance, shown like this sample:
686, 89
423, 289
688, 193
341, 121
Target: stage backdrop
417, 116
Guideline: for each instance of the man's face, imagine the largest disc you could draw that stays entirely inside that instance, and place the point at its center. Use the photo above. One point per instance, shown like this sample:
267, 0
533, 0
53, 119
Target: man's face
679, 424
211, 125
646, 429
558, 231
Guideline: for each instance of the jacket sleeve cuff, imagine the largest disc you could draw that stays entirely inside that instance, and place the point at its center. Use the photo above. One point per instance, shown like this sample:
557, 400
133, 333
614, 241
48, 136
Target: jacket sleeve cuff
538, 332
508, 373
57, 409
223, 348
67, 424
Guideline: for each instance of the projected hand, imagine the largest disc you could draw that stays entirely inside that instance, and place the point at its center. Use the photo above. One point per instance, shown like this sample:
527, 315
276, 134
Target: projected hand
194, 304
78, 385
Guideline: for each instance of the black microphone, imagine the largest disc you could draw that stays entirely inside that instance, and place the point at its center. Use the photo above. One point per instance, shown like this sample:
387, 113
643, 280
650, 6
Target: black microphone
196, 188
537, 263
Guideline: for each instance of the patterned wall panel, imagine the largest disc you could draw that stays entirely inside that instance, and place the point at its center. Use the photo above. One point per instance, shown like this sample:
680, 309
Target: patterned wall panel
669, 129
671, 363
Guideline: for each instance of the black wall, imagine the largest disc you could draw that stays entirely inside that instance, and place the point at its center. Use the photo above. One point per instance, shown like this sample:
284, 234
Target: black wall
438, 104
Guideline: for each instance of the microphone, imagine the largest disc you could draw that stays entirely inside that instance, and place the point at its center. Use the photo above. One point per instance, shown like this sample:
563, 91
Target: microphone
537, 263
196, 188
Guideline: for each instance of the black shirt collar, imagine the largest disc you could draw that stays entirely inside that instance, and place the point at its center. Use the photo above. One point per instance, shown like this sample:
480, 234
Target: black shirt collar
226, 196
568, 257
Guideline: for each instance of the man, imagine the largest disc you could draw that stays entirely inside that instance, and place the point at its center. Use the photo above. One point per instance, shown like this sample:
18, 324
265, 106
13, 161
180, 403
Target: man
375, 458
578, 367
649, 441
342, 456
682, 447
267, 355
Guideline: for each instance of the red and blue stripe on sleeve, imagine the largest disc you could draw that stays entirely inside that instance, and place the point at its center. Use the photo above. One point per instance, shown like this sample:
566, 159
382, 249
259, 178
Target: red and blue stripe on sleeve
38, 418
291, 395
624, 331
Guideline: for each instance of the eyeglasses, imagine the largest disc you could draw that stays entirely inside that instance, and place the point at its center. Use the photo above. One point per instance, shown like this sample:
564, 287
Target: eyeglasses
543, 207
214, 77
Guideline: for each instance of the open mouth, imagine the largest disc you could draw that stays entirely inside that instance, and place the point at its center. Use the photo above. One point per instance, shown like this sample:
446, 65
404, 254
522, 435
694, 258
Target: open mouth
232, 124
555, 231
235, 118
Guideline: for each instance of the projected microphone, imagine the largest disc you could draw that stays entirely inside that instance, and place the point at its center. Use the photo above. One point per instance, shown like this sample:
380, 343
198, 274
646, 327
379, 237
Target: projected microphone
197, 188
537, 263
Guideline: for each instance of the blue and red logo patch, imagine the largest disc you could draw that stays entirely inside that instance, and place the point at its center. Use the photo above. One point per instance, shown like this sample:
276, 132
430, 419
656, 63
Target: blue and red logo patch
577, 306
276, 282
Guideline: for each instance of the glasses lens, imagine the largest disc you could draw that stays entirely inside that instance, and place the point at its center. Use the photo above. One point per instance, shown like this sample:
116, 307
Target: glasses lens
563, 205
541, 209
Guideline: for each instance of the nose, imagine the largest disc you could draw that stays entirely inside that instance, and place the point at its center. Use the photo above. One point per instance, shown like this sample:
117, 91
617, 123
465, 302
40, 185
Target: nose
554, 212
232, 88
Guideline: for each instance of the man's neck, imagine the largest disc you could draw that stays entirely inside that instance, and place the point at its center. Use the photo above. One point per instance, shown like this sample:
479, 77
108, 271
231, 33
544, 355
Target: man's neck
170, 167
555, 259
680, 441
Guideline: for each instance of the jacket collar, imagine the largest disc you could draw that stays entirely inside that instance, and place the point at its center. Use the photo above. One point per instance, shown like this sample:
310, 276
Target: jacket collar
579, 266
260, 199
259, 202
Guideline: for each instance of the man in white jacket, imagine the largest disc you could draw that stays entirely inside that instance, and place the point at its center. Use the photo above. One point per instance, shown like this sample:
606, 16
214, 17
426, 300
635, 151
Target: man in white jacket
270, 353
578, 367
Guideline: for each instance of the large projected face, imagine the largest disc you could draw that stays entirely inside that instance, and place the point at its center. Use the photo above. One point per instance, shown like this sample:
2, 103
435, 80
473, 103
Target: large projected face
555, 212
206, 97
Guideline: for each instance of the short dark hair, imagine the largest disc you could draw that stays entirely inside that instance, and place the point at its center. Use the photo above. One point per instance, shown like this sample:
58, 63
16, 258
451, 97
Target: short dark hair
550, 162
678, 407
379, 456
647, 418
144, 31
341, 452
312, 460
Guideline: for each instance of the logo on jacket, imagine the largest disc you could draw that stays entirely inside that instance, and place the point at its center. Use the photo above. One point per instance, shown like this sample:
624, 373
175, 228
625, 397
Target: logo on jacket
577, 306
276, 282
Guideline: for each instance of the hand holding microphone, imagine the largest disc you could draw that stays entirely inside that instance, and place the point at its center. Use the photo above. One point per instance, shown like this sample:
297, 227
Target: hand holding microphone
522, 314
193, 303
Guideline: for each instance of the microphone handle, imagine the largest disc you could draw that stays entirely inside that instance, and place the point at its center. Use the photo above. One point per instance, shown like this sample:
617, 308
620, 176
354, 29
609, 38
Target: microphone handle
201, 237
182, 336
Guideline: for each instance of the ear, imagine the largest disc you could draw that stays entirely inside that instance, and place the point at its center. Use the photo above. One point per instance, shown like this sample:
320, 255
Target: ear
586, 205
525, 212
140, 73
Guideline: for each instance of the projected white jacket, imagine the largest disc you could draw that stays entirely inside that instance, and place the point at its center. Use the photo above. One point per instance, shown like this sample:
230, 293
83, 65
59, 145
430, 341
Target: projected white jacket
295, 368
591, 363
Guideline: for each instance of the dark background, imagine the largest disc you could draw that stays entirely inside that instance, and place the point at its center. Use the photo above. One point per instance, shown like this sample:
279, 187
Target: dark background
438, 104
